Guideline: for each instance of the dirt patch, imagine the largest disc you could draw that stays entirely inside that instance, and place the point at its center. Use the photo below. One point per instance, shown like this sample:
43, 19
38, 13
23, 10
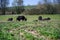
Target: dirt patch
33, 32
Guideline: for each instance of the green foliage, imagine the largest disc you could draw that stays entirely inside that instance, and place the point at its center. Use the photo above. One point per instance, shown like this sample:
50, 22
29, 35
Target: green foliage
33, 11
6, 36
49, 31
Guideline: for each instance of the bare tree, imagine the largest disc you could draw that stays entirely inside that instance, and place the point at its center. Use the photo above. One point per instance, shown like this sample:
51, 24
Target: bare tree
18, 4
3, 5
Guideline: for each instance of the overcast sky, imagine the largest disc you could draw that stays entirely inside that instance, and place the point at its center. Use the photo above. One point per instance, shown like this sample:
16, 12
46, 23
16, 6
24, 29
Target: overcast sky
29, 2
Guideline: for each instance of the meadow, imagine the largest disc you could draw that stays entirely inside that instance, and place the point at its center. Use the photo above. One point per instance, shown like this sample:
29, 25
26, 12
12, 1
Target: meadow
30, 29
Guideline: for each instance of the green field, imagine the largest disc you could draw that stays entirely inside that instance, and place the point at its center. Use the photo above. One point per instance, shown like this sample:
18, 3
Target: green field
30, 29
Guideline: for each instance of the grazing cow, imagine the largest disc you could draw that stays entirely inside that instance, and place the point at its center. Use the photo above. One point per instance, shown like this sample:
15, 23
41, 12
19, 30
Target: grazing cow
47, 18
21, 18
10, 19
40, 18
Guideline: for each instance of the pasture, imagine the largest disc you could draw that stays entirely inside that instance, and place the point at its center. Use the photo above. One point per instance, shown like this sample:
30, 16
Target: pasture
30, 29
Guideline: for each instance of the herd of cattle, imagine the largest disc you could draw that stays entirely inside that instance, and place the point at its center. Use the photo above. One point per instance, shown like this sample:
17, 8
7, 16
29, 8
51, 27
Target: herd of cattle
23, 18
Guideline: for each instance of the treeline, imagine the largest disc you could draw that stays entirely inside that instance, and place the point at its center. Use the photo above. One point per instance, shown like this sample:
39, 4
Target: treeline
43, 9
17, 7
48, 7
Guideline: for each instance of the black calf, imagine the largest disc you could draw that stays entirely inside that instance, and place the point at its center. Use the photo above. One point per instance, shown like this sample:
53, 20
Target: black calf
10, 19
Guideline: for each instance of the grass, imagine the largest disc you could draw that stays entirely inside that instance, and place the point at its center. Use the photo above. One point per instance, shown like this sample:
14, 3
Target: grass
30, 30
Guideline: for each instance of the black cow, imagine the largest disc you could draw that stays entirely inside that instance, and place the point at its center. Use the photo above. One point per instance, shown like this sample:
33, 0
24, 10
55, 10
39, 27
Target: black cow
21, 18
47, 18
40, 18
10, 19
